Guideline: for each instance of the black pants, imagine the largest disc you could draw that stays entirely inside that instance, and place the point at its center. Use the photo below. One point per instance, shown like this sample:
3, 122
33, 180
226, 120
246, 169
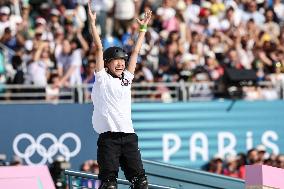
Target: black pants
119, 149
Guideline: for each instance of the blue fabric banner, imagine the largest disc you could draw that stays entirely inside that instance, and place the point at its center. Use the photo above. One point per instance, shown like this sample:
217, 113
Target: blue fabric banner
185, 134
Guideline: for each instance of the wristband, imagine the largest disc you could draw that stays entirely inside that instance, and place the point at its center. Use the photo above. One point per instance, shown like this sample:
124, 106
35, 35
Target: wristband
143, 28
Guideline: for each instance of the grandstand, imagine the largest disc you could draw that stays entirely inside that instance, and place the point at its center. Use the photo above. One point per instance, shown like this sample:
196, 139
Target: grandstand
207, 94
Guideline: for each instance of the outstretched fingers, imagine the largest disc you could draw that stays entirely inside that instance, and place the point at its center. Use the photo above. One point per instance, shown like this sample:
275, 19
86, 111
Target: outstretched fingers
91, 13
148, 15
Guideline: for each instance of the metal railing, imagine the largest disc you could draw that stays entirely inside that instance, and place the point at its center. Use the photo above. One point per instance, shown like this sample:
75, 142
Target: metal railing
74, 176
141, 92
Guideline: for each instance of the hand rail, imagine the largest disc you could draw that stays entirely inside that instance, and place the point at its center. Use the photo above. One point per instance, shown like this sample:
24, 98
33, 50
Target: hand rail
141, 92
78, 174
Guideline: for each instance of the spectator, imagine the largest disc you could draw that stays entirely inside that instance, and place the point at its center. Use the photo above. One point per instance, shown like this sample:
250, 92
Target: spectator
5, 20
188, 40
88, 78
253, 157
38, 69
234, 166
52, 90
271, 27
216, 165
124, 12
278, 8
231, 167
90, 166
69, 63
261, 152
253, 13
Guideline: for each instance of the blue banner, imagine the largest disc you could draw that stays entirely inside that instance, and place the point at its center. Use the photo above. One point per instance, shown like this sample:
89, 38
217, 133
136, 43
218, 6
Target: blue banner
185, 134
41, 133
189, 134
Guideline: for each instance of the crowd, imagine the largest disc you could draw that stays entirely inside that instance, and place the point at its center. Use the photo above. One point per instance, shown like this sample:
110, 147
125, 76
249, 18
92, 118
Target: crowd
234, 166
189, 40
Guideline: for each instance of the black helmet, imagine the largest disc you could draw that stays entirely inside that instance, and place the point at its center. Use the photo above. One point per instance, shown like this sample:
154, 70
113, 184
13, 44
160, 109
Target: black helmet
114, 53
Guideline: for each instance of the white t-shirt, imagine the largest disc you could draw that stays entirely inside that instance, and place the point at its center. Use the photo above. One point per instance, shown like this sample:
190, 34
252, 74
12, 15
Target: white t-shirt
66, 61
36, 73
279, 10
112, 103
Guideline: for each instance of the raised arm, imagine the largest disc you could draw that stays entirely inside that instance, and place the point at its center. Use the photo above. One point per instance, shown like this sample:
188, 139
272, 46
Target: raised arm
96, 39
135, 52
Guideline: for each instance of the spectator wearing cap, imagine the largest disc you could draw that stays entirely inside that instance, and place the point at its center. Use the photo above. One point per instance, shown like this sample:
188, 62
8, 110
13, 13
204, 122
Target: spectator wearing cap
231, 168
38, 69
5, 21
261, 149
70, 30
54, 23
41, 25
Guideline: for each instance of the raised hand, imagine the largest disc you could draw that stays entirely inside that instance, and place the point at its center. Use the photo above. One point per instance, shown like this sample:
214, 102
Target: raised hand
91, 14
146, 19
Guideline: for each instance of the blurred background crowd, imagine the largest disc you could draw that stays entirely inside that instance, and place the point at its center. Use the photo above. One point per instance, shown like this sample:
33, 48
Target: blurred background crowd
188, 40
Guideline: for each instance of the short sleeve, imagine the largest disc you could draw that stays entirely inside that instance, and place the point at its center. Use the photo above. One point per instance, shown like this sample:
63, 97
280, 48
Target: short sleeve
128, 75
100, 76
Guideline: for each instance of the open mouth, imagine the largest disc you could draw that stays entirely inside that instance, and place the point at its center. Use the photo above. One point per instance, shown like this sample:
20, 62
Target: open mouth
118, 69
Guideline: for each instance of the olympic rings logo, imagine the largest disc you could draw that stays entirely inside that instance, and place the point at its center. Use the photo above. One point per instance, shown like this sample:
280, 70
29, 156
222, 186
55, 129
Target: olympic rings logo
47, 154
